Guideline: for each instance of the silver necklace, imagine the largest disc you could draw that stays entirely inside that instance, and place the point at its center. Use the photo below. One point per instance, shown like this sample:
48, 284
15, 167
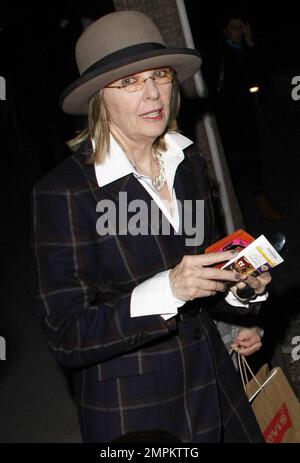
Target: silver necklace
160, 179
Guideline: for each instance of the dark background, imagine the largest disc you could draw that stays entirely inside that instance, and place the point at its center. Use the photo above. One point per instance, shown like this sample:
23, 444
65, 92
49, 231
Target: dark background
37, 60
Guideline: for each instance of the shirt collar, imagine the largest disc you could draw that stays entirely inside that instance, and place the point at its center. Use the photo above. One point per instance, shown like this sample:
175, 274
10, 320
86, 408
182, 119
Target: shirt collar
116, 164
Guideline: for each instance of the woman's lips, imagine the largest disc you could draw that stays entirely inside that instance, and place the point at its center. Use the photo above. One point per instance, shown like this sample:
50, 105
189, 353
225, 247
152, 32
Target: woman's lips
153, 115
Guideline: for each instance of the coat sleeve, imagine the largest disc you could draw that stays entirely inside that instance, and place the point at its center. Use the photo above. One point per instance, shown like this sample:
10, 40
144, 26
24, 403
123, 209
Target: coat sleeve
83, 326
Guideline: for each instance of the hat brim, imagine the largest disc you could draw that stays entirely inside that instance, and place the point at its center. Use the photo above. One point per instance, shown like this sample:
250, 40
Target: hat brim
75, 98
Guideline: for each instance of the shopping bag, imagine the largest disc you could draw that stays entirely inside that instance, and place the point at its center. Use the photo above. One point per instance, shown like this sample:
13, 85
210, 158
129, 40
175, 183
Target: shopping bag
276, 408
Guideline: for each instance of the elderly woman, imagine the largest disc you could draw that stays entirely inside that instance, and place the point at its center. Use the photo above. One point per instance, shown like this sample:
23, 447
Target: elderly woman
125, 291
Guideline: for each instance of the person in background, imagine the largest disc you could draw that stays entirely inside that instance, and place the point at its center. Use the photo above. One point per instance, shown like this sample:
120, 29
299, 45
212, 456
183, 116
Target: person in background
240, 78
125, 305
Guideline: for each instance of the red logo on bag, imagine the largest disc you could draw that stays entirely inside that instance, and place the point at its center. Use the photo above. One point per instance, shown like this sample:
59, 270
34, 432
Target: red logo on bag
281, 422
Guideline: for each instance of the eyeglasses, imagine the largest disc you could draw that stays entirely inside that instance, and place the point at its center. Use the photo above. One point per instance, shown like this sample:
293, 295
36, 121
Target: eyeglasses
136, 83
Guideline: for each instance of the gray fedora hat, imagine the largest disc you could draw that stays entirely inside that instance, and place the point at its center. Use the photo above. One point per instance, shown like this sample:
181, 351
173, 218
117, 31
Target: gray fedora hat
117, 45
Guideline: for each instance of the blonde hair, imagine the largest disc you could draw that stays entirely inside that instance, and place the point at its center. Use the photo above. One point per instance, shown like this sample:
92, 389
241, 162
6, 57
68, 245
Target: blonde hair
98, 126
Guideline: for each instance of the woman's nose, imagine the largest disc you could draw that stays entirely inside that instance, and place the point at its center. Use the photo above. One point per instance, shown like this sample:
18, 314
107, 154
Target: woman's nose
151, 88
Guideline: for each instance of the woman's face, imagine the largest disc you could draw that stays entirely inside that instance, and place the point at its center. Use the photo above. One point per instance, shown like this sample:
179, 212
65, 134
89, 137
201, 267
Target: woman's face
235, 30
139, 116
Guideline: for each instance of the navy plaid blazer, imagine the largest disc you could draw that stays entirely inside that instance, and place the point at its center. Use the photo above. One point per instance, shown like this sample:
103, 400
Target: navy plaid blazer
131, 374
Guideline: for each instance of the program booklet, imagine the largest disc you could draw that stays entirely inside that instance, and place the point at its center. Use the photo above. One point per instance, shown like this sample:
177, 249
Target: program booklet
254, 256
258, 257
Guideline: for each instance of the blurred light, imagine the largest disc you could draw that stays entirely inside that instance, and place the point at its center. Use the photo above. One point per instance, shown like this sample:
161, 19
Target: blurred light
254, 89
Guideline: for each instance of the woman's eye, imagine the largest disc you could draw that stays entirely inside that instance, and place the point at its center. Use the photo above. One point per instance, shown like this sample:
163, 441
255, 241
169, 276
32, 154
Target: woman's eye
160, 73
128, 81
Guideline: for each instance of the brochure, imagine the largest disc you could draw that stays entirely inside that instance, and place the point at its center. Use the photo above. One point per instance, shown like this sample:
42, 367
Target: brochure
258, 257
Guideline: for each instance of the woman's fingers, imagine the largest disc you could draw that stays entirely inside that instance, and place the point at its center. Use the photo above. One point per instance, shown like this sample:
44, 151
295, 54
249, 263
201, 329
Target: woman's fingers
210, 258
247, 350
214, 274
192, 277
257, 283
199, 287
199, 283
247, 341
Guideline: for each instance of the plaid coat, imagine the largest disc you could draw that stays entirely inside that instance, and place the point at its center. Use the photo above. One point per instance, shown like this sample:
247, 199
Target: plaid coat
138, 373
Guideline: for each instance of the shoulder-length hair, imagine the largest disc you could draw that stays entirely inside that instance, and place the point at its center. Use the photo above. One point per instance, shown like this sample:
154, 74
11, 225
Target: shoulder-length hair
98, 127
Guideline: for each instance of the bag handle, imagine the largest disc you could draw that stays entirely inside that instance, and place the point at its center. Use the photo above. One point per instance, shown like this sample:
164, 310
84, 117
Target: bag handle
243, 367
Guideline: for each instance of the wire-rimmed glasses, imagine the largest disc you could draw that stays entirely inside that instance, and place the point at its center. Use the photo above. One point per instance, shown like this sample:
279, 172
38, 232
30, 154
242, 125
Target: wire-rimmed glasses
135, 83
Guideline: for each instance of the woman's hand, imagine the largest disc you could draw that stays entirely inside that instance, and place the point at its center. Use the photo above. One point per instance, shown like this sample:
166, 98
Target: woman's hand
258, 283
247, 341
195, 277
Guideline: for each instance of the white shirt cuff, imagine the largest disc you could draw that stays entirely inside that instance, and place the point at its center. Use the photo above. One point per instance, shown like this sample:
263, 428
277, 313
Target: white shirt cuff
154, 297
235, 302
